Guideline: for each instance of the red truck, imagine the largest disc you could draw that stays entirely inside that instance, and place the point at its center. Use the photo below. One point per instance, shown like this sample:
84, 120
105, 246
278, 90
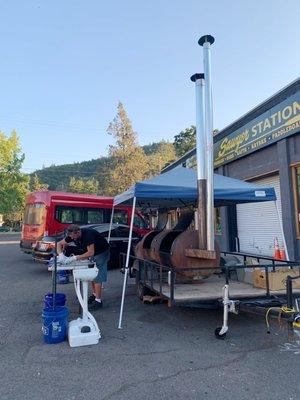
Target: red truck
50, 212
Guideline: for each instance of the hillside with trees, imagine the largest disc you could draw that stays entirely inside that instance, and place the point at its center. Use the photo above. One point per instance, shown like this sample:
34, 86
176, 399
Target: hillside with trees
61, 177
126, 163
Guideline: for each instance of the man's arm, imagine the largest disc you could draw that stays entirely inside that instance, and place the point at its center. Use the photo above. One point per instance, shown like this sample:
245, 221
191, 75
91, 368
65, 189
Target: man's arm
89, 253
61, 246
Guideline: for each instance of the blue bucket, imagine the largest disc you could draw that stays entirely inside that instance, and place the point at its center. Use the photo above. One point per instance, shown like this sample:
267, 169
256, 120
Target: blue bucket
60, 300
62, 277
55, 324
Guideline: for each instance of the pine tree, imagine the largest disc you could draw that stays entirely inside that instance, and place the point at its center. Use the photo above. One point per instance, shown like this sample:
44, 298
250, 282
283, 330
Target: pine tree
85, 186
164, 154
129, 162
36, 184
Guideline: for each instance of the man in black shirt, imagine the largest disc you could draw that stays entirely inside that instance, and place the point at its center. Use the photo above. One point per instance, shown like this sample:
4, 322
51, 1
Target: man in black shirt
90, 244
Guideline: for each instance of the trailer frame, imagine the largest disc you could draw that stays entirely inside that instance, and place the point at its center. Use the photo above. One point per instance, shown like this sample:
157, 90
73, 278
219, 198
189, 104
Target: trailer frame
231, 295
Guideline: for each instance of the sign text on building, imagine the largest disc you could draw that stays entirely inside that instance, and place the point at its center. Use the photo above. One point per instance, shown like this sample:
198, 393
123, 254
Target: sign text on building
280, 121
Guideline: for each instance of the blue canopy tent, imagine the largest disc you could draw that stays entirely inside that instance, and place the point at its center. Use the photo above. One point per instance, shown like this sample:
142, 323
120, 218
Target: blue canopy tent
177, 188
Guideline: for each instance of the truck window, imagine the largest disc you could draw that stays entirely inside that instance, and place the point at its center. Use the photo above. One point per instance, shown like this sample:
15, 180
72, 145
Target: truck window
139, 222
69, 215
95, 216
34, 214
65, 217
120, 217
80, 215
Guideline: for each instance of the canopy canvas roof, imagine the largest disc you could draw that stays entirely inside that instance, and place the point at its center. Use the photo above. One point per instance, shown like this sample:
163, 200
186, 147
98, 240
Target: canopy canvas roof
178, 187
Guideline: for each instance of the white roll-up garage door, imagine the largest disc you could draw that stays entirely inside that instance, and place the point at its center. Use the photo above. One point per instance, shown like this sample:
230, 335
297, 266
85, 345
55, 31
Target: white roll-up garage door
258, 223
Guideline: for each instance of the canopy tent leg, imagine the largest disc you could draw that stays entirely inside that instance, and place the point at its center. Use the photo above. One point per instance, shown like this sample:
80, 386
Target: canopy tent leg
110, 224
126, 265
282, 232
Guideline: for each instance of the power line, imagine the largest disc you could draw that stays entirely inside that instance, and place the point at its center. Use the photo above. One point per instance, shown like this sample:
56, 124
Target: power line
66, 126
60, 154
51, 124
66, 171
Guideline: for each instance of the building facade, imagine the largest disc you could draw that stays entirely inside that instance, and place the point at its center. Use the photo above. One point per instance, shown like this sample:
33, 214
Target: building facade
263, 147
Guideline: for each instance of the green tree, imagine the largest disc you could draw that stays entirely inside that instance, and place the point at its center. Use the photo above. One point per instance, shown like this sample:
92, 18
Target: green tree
13, 183
85, 186
129, 162
35, 184
185, 141
163, 155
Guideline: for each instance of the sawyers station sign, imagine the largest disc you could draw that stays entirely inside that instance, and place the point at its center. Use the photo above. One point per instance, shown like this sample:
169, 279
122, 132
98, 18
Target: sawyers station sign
277, 123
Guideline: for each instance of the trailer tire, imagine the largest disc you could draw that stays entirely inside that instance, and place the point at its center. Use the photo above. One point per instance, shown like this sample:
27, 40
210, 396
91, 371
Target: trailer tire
141, 290
217, 333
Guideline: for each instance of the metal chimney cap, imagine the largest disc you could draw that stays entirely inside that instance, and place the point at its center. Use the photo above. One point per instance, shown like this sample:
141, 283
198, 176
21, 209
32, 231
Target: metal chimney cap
206, 38
195, 77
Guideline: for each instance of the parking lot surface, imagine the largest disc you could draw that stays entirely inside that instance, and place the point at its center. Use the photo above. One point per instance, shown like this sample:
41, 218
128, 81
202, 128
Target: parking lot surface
160, 353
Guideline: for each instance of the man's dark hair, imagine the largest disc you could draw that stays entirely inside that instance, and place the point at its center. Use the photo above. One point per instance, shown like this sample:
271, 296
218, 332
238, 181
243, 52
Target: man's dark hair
73, 228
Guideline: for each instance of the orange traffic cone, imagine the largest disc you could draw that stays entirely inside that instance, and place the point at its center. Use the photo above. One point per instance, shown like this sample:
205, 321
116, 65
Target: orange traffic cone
282, 254
276, 249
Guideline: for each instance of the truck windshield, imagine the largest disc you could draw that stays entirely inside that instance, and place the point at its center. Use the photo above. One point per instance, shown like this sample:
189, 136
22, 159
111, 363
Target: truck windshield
34, 214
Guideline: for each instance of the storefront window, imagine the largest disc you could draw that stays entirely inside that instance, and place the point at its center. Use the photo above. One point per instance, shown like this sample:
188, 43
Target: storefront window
218, 225
217, 222
172, 219
296, 184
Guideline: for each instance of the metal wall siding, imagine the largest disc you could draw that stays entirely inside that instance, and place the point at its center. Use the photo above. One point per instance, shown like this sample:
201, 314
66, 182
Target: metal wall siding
258, 224
255, 164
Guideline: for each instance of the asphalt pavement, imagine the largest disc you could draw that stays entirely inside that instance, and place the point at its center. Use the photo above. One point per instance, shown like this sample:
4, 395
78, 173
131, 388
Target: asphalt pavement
160, 353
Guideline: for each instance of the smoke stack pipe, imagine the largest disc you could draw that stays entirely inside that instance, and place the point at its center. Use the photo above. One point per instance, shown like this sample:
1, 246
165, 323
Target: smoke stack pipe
206, 42
198, 79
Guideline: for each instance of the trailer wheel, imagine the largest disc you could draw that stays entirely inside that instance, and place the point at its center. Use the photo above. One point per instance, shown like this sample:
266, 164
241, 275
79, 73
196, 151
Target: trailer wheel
217, 333
140, 291
140, 288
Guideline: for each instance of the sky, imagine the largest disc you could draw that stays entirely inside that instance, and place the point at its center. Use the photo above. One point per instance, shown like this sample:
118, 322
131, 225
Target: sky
65, 65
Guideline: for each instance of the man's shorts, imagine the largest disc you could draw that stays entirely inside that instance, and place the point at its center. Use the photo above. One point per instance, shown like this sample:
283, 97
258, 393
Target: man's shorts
101, 261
